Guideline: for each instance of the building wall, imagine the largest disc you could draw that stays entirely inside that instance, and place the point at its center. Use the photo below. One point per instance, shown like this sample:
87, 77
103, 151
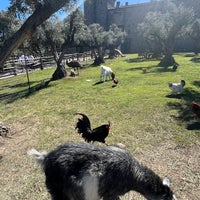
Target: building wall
128, 17
96, 11
107, 12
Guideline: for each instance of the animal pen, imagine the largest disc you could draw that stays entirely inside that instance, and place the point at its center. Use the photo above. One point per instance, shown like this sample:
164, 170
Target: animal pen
16, 66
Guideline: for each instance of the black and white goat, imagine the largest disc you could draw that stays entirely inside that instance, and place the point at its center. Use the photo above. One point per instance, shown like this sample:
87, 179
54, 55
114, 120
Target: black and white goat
106, 73
81, 171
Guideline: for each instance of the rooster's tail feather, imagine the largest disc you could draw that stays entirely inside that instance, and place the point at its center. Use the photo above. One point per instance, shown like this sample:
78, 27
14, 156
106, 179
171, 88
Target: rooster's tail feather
83, 125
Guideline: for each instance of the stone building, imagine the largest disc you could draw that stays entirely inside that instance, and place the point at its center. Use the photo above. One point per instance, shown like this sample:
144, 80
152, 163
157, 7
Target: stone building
127, 17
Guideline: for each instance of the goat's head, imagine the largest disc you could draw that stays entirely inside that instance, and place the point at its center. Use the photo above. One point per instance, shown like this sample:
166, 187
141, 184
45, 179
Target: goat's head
168, 194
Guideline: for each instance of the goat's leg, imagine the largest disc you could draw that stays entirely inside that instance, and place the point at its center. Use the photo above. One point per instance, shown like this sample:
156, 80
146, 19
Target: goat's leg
101, 77
105, 76
108, 77
77, 71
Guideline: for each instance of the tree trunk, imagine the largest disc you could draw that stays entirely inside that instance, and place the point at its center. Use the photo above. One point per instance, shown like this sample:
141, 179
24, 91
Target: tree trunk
112, 53
99, 57
41, 14
167, 61
59, 73
98, 60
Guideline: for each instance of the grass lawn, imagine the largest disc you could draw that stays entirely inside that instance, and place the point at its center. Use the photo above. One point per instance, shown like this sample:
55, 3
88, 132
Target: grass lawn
158, 128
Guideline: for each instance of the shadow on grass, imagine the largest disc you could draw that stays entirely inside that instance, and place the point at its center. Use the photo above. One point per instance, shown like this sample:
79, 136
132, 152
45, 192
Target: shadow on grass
134, 60
195, 60
190, 55
25, 84
194, 126
11, 97
196, 83
186, 115
97, 83
100, 82
174, 96
141, 69
152, 69
163, 69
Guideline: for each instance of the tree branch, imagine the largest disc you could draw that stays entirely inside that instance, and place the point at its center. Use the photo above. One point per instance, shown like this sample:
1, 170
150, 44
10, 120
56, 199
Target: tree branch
27, 29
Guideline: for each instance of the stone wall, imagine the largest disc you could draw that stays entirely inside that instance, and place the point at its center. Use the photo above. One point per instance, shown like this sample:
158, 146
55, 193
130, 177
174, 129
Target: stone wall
96, 11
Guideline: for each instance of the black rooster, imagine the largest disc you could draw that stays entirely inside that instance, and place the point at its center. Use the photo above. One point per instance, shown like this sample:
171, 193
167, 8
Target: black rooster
97, 134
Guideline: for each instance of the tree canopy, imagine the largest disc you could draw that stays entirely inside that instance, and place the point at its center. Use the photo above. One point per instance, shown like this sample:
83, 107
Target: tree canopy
100, 40
161, 29
43, 10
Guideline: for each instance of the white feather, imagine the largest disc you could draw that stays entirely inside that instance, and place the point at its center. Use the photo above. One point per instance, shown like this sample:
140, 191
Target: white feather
177, 87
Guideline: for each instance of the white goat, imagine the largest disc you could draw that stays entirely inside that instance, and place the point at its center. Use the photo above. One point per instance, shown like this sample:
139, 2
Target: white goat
81, 171
106, 73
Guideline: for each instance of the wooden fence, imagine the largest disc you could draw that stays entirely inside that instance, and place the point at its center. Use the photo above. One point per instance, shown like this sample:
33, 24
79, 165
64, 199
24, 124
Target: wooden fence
18, 66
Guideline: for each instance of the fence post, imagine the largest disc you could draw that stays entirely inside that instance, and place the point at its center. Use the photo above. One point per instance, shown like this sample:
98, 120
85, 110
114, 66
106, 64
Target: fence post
41, 63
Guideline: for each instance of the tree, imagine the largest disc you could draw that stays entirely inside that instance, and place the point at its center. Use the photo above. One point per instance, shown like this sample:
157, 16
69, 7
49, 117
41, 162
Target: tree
163, 28
53, 36
54, 39
194, 29
41, 13
71, 27
8, 25
194, 33
113, 39
37, 42
96, 34
58, 36
100, 40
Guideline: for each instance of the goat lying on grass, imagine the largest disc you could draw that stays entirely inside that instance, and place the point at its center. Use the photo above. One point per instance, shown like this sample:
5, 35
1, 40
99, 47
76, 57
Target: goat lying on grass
106, 73
80, 171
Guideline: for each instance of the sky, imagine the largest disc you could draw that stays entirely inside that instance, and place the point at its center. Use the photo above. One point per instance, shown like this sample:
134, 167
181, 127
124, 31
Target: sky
5, 3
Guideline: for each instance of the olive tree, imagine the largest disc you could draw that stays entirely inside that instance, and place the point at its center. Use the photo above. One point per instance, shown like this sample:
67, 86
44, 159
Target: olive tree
113, 39
42, 10
8, 26
163, 28
100, 40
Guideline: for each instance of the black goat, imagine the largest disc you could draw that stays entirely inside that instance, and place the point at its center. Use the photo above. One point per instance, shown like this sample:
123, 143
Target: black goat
81, 171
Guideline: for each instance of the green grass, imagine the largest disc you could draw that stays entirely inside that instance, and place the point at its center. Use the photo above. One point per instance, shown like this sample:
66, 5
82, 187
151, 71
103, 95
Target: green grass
138, 104
141, 113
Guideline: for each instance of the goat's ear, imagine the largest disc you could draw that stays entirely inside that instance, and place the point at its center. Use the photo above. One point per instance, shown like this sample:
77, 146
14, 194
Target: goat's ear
166, 181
